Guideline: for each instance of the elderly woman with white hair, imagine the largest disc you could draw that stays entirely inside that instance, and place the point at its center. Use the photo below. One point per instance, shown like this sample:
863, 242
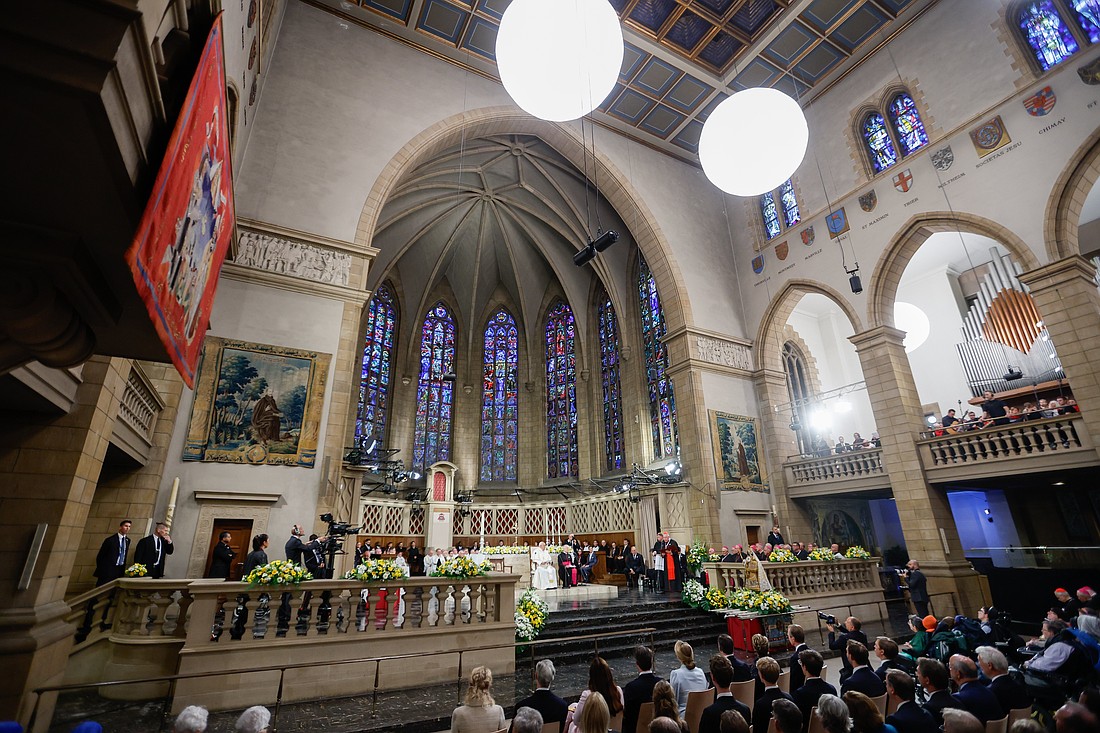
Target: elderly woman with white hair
257, 719
834, 714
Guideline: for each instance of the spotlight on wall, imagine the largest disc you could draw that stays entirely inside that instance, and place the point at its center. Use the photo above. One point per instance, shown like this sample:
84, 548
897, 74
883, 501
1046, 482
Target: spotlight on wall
605, 240
1013, 374
449, 377
674, 468
586, 255
854, 281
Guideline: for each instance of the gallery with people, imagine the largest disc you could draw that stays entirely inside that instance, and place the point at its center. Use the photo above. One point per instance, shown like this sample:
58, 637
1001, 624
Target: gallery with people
530, 365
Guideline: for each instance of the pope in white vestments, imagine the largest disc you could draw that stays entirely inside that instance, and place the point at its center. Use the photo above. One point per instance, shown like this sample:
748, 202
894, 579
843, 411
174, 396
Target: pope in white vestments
543, 575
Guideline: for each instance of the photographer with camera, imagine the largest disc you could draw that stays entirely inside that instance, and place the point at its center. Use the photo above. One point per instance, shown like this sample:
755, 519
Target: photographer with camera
295, 548
839, 642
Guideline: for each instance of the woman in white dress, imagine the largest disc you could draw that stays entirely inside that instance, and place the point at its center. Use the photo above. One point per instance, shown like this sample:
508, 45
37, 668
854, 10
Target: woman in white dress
543, 575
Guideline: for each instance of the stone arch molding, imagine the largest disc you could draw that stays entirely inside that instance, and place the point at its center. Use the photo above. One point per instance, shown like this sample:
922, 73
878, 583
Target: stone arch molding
905, 243
1063, 213
770, 337
615, 188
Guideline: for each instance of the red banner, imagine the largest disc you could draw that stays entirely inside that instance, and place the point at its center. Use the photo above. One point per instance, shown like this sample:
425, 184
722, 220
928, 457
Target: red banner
179, 248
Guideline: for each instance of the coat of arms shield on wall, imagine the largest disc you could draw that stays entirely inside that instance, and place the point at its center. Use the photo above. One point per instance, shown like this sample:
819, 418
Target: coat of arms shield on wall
943, 158
781, 250
808, 236
868, 201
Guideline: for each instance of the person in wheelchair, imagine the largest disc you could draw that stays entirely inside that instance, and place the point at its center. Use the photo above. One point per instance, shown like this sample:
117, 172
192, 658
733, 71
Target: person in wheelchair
1061, 668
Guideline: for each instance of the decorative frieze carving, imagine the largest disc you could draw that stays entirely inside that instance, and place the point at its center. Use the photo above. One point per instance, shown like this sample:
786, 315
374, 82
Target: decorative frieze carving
285, 256
726, 353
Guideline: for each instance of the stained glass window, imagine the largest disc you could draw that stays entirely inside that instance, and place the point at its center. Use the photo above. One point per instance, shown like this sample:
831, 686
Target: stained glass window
434, 396
376, 374
561, 393
878, 142
771, 216
1046, 33
662, 400
1088, 18
499, 399
907, 124
609, 379
791, 214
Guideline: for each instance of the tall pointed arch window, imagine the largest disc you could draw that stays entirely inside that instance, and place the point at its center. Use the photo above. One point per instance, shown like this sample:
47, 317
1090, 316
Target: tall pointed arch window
892, 131
800, 391
500, 399
779, 210
376, 374
608, 326
1046, 33
662, 400
434, 395
880, 147
907, 123
1087, 15
561, 392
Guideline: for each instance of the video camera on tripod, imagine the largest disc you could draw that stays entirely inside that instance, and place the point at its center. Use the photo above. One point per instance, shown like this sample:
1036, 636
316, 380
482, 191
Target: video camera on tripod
334, 540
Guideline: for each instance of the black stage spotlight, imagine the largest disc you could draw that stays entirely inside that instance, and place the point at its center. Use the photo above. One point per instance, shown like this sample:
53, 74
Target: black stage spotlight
586, 255
449, 377
1013, 374
605, 240
854, 281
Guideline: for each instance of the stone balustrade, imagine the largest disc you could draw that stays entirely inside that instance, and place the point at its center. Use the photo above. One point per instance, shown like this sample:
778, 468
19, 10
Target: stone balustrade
855, 469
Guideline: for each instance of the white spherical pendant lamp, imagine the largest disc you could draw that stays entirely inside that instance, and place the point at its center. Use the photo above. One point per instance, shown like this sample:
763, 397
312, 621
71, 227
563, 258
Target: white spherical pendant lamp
559, 59
753, 141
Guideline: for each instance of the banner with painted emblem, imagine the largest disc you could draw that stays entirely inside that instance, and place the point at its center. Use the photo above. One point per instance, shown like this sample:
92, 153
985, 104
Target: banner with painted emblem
990, 136
758, 264
1041, 102
903, 181
177, 253
781, 250
837, 222
808, 236
868, 201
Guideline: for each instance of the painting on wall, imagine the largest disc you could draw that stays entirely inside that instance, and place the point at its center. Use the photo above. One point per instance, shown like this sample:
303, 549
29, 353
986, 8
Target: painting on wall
736, 457
177, 253
257, 404
846, 522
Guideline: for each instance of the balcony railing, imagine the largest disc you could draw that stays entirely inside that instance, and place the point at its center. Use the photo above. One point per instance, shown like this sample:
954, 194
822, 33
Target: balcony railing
138, 411
859, 469
1024, 447
804, 579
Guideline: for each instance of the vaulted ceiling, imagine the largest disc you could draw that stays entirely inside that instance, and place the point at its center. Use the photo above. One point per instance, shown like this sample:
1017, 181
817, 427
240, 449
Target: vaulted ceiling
682, 57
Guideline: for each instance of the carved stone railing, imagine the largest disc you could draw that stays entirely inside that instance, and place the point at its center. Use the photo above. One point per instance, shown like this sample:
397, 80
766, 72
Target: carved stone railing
1060, 442
801, 580
852, 469
137, 416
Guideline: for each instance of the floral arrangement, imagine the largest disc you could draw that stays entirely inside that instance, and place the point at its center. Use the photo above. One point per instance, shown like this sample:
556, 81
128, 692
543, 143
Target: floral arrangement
781, 554
821, 554
763, 602
713, 556
715, 598
506, 550
557, 549
694, 594
278, 572
531, 615
743, 598
855, 552
697, 555
461, 566
374, 570
137, 570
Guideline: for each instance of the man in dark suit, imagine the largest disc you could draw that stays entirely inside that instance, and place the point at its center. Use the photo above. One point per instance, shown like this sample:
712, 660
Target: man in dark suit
742, 672
933, 677
908, 717
768, 669
839, 642
918, 587
640, 689
314, 559
796, 637
814, 687
863, 678
110, 561
552, 707
295, 549
152, 551
788, 718
573, 542
635, 567
887, 650
775, 537
223, 558
416, 560
972, 696
721, 675
1009, 693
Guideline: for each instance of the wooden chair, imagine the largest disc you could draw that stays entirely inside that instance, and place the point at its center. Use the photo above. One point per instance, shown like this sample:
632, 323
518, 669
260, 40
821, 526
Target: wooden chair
551, 727
997, 726
1018, 714
785, 680
817, 725
697, 702
616, 722
891, 706
744, 692
645, 717
881, 702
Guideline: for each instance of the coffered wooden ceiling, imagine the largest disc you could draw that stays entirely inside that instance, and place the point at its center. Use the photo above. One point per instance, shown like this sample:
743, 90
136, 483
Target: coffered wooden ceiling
682, 58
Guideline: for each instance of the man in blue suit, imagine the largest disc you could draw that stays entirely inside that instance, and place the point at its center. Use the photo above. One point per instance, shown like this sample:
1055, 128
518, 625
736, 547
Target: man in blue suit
1009, 693
909, 717
806, 696
933, 677
721, 675
768, 669
640, 689
552, 707
863, 678
972, 696
796, 637
741, 671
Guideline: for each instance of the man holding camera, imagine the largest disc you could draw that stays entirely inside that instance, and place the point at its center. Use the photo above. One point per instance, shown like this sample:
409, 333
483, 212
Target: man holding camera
839, 642
295, 548
918, 587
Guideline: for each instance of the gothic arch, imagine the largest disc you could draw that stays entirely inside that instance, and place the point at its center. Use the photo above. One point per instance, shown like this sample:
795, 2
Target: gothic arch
905, 243
616, 189
1063, 214
767, 353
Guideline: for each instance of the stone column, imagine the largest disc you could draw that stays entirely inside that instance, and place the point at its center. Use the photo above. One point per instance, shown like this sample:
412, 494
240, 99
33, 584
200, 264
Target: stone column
1066, 296
778, 441
926, 521
51, 466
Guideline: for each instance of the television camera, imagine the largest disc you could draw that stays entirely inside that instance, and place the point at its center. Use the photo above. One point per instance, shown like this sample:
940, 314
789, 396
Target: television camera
333, 544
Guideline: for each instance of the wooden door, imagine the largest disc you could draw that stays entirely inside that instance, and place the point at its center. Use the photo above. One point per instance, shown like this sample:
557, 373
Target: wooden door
240, 541
752, 533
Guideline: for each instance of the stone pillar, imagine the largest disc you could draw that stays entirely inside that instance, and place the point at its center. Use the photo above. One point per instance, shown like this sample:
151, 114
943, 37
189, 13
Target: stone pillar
778, 441
50, 466
1066, 296
926, 521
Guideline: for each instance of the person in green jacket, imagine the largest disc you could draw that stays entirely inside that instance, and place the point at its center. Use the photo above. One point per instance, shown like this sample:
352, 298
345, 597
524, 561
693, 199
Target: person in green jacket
922, 635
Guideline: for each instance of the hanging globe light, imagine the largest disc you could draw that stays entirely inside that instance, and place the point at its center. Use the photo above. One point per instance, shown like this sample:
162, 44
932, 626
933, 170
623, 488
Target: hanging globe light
753, 141
559, 59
